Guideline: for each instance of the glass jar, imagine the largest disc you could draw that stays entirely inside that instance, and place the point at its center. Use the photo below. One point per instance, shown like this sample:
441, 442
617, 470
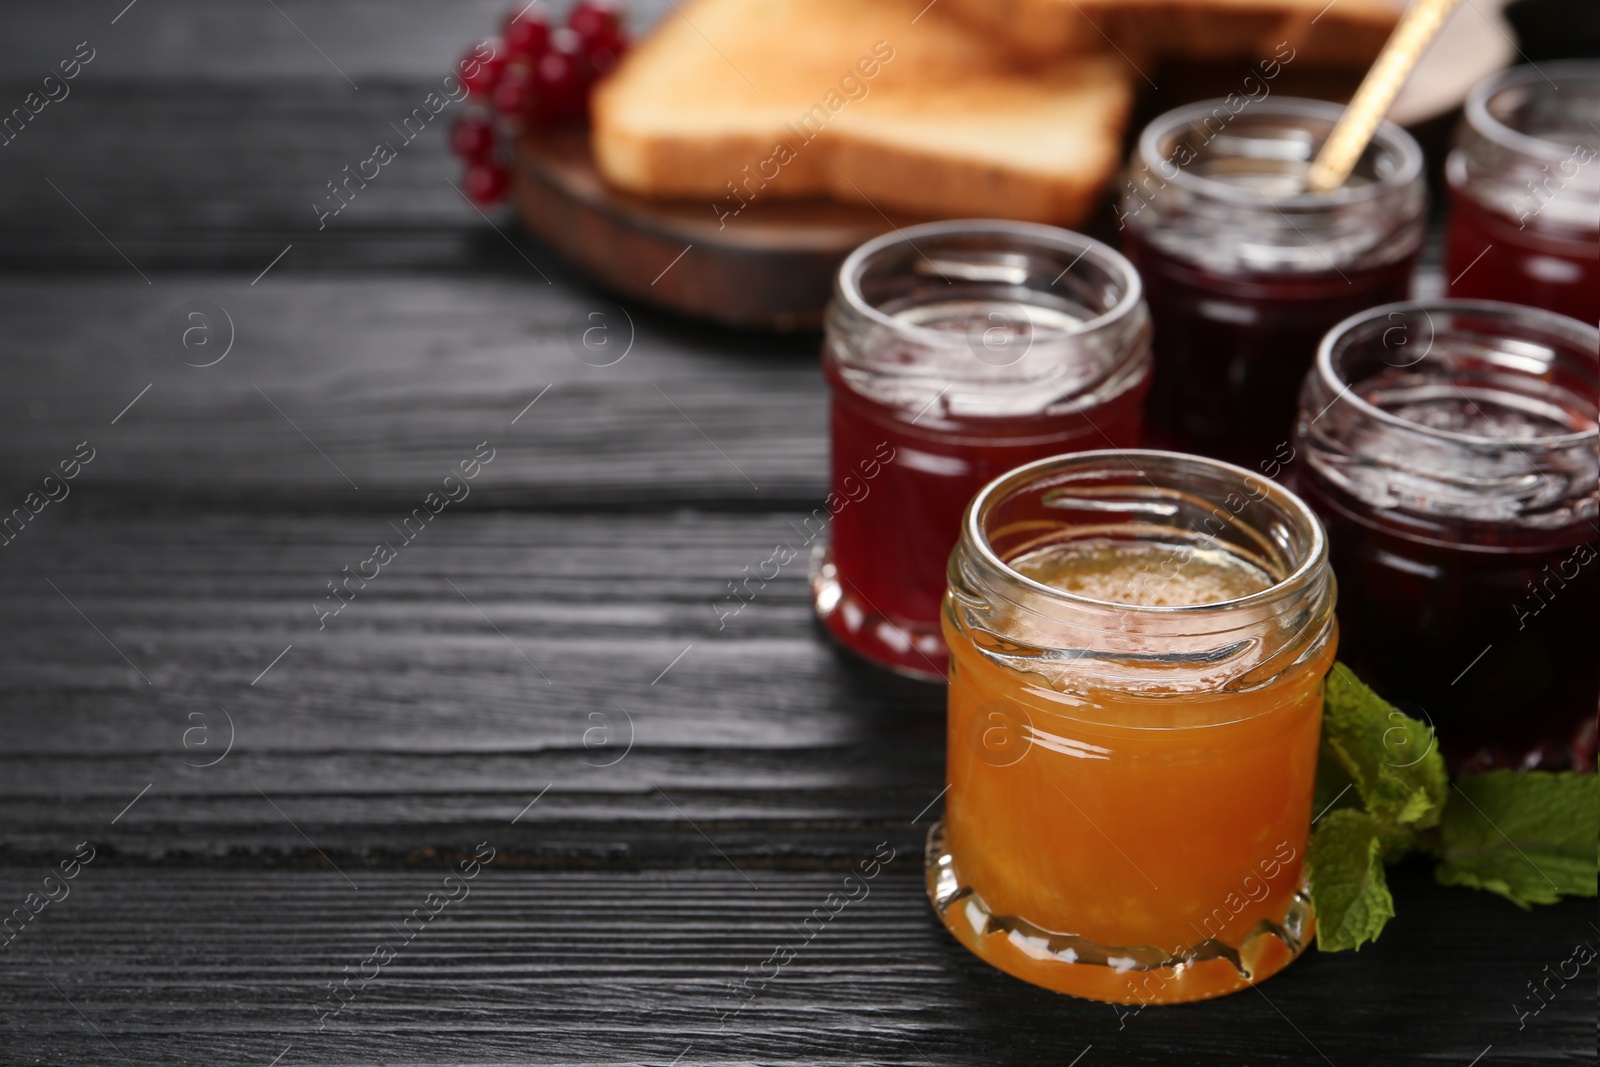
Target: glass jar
1245, 271
956, 351
1525, 191
1138, 642
1451, 448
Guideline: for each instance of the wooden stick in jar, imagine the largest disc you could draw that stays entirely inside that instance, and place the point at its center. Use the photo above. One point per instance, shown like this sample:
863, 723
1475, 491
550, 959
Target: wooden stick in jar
1342, 149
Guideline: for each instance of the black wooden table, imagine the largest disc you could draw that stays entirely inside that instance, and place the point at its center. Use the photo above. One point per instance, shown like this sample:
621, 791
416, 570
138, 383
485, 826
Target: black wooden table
259, 800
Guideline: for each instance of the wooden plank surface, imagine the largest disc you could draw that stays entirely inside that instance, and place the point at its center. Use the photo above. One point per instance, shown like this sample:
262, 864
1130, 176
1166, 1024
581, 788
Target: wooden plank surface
412, 726
599, 655
262, 46
361, 392
187, 966
200, 135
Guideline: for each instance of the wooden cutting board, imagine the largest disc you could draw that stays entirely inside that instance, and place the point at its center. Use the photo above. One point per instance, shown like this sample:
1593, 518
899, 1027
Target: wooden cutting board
769, 267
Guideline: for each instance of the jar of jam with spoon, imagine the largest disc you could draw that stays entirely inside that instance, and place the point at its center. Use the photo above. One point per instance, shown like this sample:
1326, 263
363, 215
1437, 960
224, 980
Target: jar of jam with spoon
1245, 270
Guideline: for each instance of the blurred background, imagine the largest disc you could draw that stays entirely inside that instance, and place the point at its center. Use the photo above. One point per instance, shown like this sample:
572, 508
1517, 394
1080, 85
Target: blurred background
201, 133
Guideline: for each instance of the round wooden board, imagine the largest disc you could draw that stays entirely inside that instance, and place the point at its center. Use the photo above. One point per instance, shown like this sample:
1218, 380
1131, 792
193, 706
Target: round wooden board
771, 266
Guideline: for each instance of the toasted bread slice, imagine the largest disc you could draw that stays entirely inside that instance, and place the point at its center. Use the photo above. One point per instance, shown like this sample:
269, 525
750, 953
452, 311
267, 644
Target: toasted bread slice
1310, 32
882, 101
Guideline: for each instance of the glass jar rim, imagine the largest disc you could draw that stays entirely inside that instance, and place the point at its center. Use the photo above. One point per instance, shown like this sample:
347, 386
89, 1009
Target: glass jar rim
847, 285
1139, 461
1482, 121
1332, 380
1389, 136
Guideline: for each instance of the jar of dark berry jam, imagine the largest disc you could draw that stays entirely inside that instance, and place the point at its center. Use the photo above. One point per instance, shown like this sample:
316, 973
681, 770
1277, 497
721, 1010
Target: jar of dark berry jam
1245, 271
956, 351
1451, 448
1525, 191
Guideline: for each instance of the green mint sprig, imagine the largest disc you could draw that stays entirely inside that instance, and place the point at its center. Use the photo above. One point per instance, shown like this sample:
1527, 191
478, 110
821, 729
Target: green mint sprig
1382, 791
1529, 836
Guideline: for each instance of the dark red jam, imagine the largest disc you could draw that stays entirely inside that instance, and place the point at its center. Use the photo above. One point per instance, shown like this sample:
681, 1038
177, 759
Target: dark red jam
1489, 256
1231, 349
893, 533
955, 352
1489, 636
1455, 469
1525, 191
1245, 270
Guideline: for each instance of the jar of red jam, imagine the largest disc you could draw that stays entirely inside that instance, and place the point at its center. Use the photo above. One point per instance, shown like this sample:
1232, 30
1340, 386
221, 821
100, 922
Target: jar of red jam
954, 352
1451, 449
1525, 191
1245, 271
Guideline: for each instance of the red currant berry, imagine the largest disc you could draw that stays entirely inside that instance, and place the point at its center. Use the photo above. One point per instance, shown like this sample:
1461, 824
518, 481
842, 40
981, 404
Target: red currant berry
480, 69
512, 95
559, 85
596, 20
487, 183
526, 36
472, 137
566, 41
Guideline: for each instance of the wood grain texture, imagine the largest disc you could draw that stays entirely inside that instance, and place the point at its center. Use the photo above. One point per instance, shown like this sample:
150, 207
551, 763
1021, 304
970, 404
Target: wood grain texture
615, 968
367, 391
457, 629
201, 135
501, 653
259, 45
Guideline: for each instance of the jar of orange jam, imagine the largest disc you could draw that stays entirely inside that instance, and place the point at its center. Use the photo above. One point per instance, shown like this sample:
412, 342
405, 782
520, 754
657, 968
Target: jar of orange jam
1138, 642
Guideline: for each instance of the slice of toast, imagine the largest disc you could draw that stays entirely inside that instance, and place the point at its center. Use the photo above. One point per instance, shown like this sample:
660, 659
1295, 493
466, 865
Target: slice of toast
1318, 33
887, 102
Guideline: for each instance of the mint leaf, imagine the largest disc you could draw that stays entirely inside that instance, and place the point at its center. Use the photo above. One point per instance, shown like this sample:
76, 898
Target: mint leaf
1335, 787
1382, 791
1529, 836
1348, 888
1392, 759
1380, 780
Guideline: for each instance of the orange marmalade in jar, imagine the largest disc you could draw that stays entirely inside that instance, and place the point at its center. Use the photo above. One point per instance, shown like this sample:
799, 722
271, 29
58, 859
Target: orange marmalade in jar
1138, 642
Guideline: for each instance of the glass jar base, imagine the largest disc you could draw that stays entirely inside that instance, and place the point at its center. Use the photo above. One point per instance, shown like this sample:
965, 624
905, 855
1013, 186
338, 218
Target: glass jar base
916, 650
1080, 967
